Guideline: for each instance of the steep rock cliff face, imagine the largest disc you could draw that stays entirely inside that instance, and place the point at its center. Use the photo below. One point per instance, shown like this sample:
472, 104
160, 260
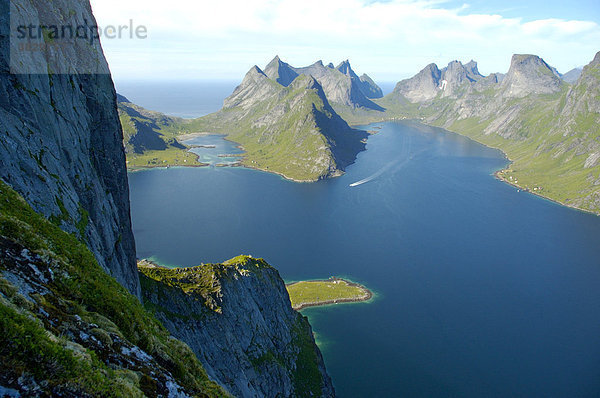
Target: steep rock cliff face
366, 85
529, 74
369, 87
66, 327
422, 87
341, 85
238, 320
281, 72
61, 140
455, 75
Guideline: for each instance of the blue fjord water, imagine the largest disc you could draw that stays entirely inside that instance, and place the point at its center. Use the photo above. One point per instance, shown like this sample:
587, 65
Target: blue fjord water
482, 291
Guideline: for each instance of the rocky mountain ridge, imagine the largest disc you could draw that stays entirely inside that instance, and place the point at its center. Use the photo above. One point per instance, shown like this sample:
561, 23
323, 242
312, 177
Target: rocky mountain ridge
530, 75
291, 130
341, 85
547, 127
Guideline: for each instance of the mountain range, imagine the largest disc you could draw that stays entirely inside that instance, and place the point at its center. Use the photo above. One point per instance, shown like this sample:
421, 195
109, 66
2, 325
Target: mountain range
545, 122
548, 127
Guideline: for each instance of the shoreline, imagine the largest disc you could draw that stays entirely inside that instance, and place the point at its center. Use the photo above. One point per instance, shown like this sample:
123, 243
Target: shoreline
498, 176
497, 172
241, 163
191, 136
133, 169
367, 294
243, 159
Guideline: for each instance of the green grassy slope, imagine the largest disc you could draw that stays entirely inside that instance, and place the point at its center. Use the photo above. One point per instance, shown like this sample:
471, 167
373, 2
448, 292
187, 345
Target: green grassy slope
314, 293
150, 138
290, 131
69, 329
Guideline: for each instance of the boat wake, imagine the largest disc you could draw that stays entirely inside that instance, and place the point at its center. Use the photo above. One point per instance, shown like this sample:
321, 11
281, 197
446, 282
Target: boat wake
373, 176
399, 163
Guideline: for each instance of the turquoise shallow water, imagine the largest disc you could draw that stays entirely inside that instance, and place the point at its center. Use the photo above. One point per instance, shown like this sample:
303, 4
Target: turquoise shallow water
213, 149
482, 290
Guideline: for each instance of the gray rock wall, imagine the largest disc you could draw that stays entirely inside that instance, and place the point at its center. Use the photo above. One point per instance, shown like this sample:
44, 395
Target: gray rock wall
61, 139
245, 332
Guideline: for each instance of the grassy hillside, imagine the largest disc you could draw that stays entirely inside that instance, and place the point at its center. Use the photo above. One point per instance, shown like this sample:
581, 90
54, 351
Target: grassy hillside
151, 138
291, 131
69, 329
322, 292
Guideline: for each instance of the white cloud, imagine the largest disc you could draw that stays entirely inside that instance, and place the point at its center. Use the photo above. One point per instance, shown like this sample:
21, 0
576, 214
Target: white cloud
389, 40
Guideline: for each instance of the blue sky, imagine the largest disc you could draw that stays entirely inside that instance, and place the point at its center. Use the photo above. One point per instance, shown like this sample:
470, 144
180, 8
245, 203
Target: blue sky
388, 39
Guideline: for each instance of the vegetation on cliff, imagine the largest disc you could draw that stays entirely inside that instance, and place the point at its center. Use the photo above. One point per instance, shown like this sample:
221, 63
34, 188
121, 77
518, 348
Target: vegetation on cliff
151, 138
67, 328
237, 318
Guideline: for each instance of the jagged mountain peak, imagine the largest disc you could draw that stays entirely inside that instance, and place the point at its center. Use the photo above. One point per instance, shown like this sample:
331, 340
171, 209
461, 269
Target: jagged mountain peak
255, 85
344, 67
530, 74
528, 63
468, 70
369, 88
455, 75
454, 68
255, 71
307, 82
342, 87
472, 68
432, 67
254, 75
280, 71
572, 75
421, 87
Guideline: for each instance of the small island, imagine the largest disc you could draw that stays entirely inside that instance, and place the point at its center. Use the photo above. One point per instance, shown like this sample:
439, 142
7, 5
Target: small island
324, 292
